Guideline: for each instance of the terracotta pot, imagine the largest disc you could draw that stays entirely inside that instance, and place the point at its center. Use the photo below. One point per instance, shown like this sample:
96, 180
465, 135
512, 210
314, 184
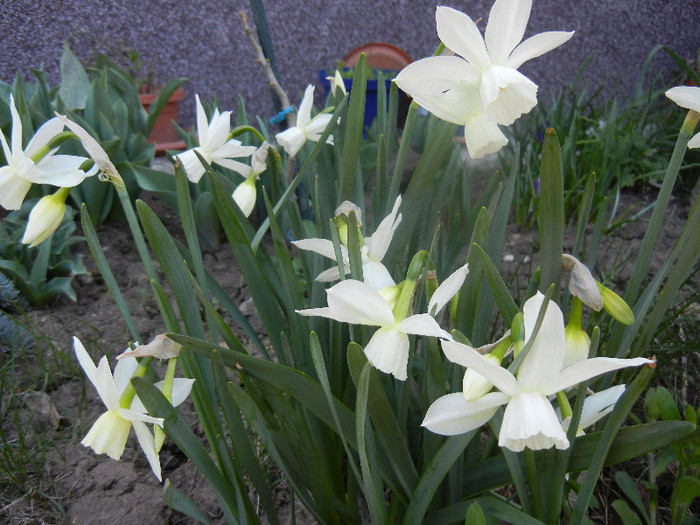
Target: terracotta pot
164, 135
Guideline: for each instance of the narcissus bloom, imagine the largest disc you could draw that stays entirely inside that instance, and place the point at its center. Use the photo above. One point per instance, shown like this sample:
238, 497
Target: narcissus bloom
687, 97
355, 302
481, 87
45, 217
23, 169
529, 419
109, 433
245, 194
374, 273
214, 145
306, 128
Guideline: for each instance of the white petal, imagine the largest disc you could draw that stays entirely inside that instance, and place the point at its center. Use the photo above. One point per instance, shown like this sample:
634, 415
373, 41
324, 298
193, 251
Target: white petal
387, 350
483, 136
132, 415
451, 414
530, 421
181, 389
307, 102
232, 149
695, 141
507, 94
378, 243
598, 405
148, 445
321, 246
545, 358
192, 165
376, 276
14, 188
60, 170
354, 302
202, 124
332, 274
459, 33
584, 370
444, 85
16, 133
217, 132
506, 27
104, 384
537, 45
123, 372
291, 140
470, 358
687, 97
423, 324
85, 361
447, 289
43, 135
93, 148
317, 126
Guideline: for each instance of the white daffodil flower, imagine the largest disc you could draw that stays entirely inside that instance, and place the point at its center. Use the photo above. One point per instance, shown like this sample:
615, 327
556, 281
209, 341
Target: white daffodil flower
306, 128
355, 302
22, 170
529, 419
687, 97
481, 87
109, 433
245, 194
337, 83
374, 273
214, 146
45, 217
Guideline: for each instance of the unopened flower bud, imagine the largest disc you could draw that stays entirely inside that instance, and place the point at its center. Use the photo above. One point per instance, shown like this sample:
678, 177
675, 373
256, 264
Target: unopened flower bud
245, 196
577, 342
45, 217
616, 305
582, 284
517, 333
341, 219
474, 385
337, 83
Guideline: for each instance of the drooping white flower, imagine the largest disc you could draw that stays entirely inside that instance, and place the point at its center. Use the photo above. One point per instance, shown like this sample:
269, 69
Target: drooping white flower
374, 273
214, 145
306, 128
45, 217
109, 433
22, 171
245, 193
355, 302
687, 97
529, 419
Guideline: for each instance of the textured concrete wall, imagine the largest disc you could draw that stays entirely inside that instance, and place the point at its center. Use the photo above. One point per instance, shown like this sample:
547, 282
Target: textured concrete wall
203, 39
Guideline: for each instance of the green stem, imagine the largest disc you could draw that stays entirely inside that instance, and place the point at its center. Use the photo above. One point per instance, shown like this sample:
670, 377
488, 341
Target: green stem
128, 395
660, 206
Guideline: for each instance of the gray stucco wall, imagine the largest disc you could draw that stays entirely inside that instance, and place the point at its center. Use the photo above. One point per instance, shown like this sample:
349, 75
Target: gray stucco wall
203, 39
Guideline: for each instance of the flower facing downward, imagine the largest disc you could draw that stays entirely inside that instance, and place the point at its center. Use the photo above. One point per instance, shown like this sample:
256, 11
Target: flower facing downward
23, 168
109, 433
214, 145
45, 217
306, 128
529, 419
374, 273
687, 97
245, 194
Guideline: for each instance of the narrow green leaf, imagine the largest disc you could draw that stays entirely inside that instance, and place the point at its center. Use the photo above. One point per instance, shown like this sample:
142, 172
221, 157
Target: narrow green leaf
550, 220
627, 515
180, 502
685, 491
373, 490
353, 132
502, 295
